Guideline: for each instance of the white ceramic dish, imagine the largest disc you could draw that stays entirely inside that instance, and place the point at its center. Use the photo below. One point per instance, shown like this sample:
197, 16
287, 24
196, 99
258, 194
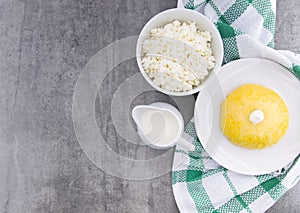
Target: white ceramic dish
182, 15
207, 116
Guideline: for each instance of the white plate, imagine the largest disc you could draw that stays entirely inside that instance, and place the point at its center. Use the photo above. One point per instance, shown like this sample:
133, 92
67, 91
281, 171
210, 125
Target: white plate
207, 116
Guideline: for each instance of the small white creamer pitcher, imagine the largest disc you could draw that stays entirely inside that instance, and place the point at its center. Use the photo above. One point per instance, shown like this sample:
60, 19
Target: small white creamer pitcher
160, 125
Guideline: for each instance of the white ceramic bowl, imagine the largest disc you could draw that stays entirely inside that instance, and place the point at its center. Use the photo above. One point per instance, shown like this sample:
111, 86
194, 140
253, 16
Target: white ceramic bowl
185, 15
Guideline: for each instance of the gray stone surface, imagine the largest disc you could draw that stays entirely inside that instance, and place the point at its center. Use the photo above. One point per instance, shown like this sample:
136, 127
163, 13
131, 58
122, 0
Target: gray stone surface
44, 44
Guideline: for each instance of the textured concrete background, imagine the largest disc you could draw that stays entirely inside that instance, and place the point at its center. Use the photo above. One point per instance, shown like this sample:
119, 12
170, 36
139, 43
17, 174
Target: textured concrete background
44, 44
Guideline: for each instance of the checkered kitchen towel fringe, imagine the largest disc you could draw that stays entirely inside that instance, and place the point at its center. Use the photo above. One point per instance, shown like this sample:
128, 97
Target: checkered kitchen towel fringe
199, 183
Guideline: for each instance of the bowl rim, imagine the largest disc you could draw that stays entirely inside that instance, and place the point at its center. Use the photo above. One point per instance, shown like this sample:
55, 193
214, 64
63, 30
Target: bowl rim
216, 36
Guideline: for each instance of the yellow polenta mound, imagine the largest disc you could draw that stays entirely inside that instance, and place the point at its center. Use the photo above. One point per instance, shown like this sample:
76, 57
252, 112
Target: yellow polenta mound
238, 106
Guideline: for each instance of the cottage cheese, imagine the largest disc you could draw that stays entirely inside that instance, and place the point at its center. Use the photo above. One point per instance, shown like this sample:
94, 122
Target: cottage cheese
178, 56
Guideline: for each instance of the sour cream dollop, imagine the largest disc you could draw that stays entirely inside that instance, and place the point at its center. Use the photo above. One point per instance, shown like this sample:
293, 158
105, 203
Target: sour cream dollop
256, 116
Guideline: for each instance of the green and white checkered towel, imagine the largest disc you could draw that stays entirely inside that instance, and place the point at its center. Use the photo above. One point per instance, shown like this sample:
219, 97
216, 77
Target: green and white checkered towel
199, 183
